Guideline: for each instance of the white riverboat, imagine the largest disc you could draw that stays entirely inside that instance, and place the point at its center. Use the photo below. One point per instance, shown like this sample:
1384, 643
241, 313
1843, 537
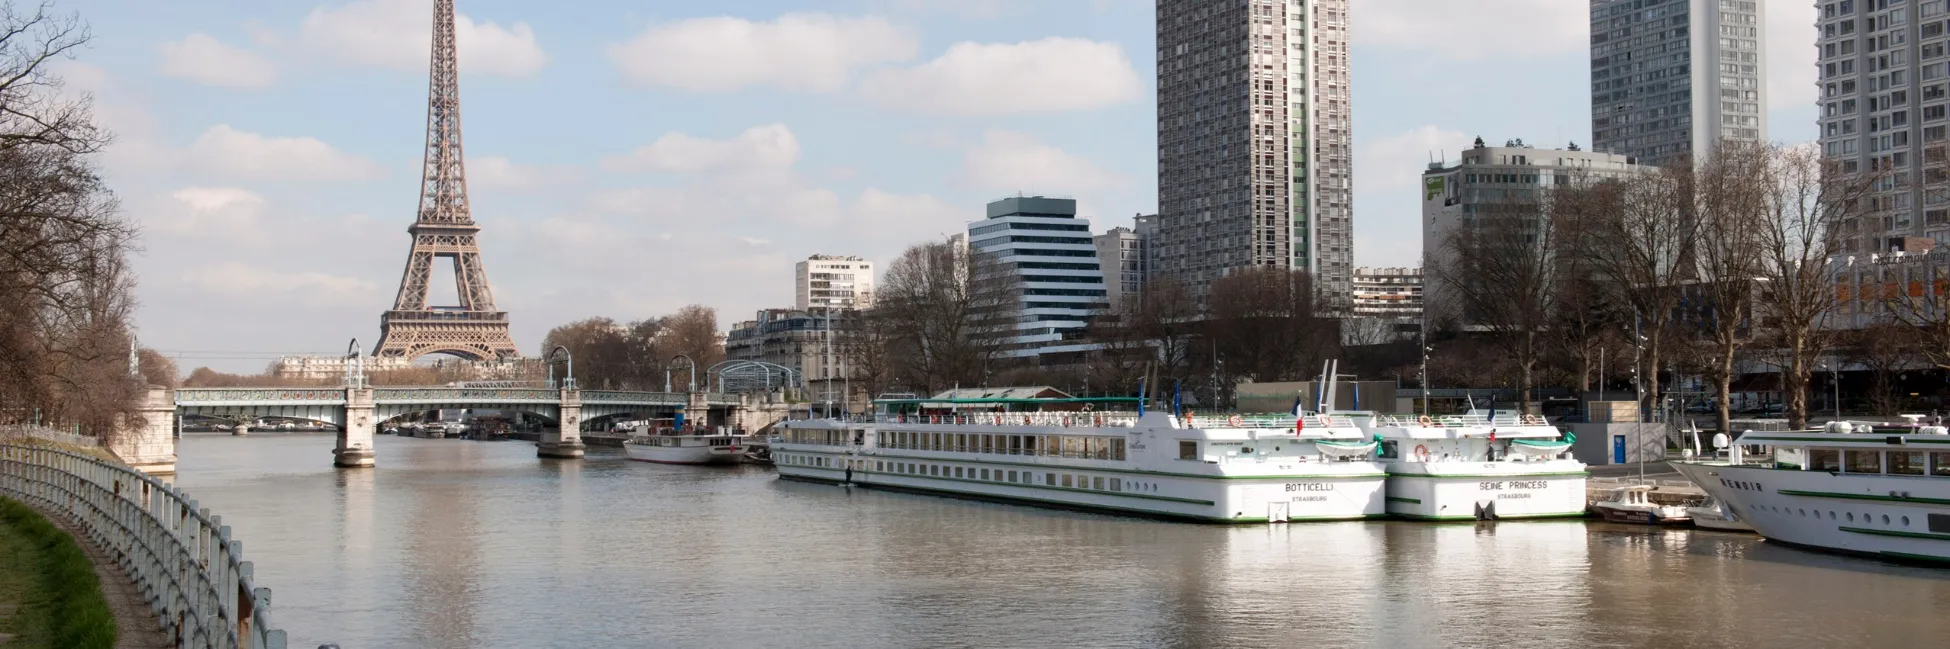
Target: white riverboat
676, 446
1078, 454
1477, 466
1883, 494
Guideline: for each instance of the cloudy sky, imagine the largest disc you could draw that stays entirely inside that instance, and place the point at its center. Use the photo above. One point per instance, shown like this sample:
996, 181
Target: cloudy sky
629, 157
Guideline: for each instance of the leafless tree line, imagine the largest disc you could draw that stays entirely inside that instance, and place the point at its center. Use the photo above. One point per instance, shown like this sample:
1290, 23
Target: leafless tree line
66, 292
944, 315
640, 355
1671, 271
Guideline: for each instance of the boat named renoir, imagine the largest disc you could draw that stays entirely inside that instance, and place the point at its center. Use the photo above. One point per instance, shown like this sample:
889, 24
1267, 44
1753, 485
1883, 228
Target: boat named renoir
1102, 454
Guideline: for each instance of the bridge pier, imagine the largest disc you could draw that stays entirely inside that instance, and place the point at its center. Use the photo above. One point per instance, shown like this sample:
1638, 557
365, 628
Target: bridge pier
148, 443
564, 440
355, 449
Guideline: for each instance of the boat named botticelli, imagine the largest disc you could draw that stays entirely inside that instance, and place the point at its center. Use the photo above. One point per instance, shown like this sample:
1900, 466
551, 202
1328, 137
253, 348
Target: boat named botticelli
1883, 494
1477, 466
1089, 454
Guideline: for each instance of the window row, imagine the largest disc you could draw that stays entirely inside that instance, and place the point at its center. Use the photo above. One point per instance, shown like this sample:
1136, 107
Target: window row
980, 474
1880, 462
1071, 446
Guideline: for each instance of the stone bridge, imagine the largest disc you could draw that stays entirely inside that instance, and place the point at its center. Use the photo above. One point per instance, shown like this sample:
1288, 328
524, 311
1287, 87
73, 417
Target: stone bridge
357, 412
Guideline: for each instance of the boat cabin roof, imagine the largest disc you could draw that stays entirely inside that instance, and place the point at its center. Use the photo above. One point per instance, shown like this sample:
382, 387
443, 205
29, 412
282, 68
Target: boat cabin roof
1864, 441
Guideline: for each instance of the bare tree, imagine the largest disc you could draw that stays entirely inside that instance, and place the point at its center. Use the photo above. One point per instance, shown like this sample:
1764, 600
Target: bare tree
1267, 324
947, 313
1809, 200
66, 293
1730, 204
1498, 271
1883, 349
1637, 233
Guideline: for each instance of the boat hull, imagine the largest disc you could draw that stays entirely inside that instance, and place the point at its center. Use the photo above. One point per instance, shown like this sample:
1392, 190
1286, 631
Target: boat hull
1463, 491
1894, 517
684, 454
1339, 492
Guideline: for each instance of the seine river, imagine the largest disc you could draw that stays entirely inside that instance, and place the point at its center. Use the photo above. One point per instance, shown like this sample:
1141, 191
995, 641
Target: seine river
479, 544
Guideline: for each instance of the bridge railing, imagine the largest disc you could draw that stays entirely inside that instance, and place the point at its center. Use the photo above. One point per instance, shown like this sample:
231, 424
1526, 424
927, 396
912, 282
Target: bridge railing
226, 395
613, 396
182, 557
465, 394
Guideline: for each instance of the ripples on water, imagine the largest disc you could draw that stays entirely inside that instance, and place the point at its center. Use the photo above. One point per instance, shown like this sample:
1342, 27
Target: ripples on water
478, 544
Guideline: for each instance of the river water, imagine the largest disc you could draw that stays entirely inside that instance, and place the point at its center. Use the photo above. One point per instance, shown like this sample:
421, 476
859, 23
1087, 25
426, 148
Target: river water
480, 544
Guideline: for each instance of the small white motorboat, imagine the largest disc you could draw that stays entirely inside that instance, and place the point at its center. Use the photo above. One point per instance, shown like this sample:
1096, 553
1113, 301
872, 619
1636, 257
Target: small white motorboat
1630, 505
1715, 515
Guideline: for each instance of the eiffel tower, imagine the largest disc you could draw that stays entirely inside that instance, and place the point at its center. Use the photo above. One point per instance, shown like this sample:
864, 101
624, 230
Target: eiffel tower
444, 228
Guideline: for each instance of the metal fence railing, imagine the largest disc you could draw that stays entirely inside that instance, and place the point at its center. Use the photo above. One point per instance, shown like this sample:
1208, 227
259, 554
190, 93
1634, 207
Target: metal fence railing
182, 557
8, 432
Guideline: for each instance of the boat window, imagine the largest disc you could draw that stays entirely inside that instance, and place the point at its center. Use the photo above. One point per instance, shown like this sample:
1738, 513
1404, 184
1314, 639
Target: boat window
988, 443
1049, 479
985, 474
1863, 461
1821, 459
1015, 445
1940, 523
1097, 483
958, 472
933, 470
1187, 449
1116, 484
1066, 480
1906, 463
1012, 476
1940, 464
1029, 445
1390, 450
1117, 449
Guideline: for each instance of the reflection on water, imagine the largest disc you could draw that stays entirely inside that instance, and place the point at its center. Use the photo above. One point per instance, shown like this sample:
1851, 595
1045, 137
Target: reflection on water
479, 544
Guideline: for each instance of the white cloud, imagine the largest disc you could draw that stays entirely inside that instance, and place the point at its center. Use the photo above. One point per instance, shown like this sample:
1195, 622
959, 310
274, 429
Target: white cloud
202, 58
398, 34
241, 154
1474, 29
770, 146
234, 278
498, 172
976, 79
1009, 160
1389, 229
807, 52
213, 212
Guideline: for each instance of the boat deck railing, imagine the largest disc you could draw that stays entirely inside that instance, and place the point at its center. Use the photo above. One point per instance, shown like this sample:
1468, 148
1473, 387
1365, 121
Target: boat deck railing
1471, 420
1076, 419
1269, 420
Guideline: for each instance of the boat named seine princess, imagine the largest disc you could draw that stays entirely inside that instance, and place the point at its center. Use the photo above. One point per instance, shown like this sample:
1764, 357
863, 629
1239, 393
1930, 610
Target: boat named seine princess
1883, 494
1477, 466
1070, 453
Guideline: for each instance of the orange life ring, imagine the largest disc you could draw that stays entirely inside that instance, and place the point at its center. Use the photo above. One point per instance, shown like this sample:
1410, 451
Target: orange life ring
1066, 421
934, 419
1100, 421
1530, 420
1425, 421
1025, 420
1235, 421
1421, 453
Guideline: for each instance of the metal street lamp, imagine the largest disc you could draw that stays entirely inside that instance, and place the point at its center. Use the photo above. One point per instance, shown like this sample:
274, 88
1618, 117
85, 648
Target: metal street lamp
568, 370
687, 359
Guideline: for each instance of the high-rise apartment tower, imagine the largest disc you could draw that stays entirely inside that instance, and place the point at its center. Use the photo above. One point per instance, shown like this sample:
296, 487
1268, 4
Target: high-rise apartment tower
1255, 162
1671, 78
1884, 74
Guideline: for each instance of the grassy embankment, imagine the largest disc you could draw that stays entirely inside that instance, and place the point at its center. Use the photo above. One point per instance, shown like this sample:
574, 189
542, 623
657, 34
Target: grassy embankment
49, 595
